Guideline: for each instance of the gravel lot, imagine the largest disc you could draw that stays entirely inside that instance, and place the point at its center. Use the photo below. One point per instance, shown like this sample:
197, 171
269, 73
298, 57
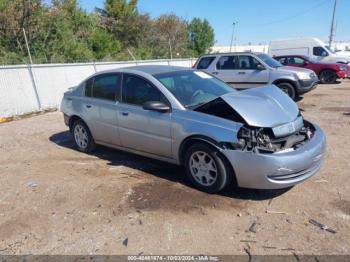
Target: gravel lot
56, 200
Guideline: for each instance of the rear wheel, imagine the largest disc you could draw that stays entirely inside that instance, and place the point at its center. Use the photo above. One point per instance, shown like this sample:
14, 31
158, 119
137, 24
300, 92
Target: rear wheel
288, 89
82, 137
328, 77
206, 168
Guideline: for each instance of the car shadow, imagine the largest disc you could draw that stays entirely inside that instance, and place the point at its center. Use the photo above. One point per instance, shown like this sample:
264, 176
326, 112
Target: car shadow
161, 169
298, 99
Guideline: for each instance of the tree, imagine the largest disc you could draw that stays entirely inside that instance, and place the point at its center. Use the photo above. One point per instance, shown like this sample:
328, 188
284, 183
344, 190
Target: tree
201, 36
67, 29
119, 9
63, 32
103, 45
15, 15
171, 32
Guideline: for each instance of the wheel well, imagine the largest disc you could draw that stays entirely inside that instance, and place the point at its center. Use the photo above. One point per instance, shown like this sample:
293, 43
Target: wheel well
73, 119
192, 140
279, 81
209, 141
327, 69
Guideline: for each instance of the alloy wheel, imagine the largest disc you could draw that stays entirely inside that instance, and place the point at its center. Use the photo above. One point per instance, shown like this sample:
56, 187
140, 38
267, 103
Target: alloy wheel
81, 136
203, 168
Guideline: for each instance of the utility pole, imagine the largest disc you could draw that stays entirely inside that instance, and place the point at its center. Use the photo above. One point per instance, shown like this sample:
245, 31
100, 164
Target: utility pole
233, 32
170, 49
31, 71
332, 25
25, 39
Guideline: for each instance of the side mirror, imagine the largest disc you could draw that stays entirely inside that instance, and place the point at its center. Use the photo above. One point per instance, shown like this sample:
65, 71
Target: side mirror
260, 67
306, 63
156, 106
324, 53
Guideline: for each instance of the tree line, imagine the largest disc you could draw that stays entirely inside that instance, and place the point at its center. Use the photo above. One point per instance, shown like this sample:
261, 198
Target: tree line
63, 32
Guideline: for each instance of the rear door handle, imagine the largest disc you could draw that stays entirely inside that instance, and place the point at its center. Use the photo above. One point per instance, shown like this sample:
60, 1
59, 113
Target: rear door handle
241, 73
125, 113
88, 106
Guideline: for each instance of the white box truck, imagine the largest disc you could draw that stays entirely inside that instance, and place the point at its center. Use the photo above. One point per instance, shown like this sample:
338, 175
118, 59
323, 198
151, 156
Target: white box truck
309, 46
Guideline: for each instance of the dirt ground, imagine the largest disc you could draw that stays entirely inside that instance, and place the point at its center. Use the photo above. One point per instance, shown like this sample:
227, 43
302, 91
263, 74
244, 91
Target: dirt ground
56, 200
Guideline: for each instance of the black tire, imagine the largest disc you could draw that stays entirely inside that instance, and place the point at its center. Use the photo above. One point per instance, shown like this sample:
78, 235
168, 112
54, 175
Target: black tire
224, 172
328, 77
288, 89
80, 132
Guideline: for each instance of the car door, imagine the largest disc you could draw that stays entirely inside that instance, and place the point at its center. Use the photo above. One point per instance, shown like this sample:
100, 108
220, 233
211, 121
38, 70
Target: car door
226, 69
140, 129
248, 72
102, 93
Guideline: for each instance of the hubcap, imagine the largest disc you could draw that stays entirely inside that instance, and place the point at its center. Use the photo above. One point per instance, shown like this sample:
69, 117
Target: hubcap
203, 168
81, 136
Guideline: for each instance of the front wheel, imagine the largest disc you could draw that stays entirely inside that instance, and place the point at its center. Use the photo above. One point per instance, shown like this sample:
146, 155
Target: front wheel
288, 89
206, 168
328, 77
82, 137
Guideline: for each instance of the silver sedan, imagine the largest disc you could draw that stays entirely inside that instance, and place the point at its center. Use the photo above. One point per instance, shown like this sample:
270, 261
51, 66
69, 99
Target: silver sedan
255, 138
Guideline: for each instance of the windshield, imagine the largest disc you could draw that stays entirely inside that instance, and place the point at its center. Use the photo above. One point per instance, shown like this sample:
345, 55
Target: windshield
329, 50
310, 59
193, 88
269, 60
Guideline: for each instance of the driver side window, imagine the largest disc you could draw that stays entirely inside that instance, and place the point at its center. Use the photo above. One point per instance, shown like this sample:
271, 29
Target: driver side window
247, 62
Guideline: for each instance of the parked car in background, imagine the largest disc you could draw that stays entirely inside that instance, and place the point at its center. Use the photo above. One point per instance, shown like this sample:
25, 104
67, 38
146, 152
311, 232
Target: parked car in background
246, 70
327, 73
255, 137
309, 46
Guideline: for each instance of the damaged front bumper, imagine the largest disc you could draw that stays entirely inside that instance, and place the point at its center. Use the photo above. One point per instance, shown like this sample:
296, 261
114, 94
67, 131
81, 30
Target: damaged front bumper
281, 169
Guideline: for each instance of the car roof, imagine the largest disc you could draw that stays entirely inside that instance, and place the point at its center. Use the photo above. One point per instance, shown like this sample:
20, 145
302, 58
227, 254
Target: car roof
149, 69
232, 53
291, 56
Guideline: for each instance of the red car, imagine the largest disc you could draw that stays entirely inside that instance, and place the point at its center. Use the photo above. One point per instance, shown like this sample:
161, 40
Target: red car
327, 73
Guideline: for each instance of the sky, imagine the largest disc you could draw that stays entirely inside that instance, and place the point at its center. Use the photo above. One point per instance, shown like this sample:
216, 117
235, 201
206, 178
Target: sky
258, 21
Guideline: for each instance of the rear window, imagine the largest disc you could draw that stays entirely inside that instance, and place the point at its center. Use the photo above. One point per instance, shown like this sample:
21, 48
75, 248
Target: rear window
205, 62
104, 86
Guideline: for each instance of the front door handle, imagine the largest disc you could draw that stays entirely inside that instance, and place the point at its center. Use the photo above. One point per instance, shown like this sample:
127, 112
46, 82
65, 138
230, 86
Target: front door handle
125, 113
241, 73
88, 106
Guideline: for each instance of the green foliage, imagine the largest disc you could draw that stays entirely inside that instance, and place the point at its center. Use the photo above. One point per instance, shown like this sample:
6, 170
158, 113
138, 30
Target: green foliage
63, 32
119, 9
201, 36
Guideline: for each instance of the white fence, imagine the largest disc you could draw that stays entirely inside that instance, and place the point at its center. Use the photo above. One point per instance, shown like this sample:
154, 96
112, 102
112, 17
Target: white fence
30, 88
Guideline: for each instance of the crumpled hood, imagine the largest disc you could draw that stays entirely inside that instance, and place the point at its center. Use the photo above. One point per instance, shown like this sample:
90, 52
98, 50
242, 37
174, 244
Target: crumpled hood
265, 106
